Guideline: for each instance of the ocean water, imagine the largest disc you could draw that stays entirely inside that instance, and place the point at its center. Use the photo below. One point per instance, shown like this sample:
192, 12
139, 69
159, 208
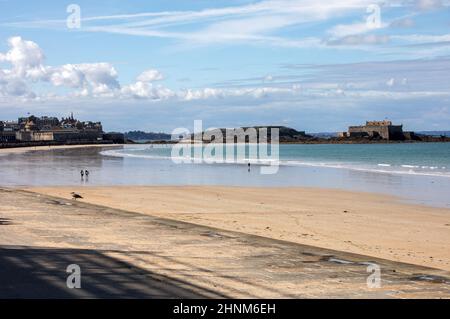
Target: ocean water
428, 159
417, 173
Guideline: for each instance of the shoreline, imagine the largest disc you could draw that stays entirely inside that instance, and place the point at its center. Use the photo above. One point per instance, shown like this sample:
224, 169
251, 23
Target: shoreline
58, 168
24, 149
370, 223
313, 142
363, 223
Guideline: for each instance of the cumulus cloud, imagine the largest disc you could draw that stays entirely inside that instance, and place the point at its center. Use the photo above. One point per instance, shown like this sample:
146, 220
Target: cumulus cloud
252, 92
101, 79
98, 78
26, 59
150, 76
146, 90
18, 88
27, 66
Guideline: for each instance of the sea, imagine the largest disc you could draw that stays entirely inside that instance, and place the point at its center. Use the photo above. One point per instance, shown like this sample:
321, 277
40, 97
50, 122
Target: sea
415, 172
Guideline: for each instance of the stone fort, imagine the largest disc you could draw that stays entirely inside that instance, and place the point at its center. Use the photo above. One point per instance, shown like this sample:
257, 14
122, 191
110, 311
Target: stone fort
377, 129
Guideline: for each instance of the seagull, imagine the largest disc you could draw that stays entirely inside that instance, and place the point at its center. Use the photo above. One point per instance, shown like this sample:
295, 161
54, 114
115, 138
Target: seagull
75, 196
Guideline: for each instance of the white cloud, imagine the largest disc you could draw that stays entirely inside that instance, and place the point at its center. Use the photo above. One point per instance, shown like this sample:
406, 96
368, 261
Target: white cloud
343, 30
3, 75
360, 39
202, 94
254, 23
25, 57
257, 23
268, 78
150, 76
27, 64
146, 90
66, 75
17, 88
249, 92
428, 4
422, 38
402, 23
100, 80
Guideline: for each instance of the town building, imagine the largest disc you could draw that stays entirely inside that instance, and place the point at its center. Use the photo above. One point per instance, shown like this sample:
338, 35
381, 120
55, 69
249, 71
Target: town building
31, 136
8, 131
51, 129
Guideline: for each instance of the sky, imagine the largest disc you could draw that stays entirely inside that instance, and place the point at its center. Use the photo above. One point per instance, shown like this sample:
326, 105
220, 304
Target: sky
317, 66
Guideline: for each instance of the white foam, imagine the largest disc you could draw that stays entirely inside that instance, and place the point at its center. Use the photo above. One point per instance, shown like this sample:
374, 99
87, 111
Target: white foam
384, 167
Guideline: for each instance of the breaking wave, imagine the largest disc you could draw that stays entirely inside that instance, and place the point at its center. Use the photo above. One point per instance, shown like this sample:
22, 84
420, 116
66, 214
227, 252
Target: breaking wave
385, 168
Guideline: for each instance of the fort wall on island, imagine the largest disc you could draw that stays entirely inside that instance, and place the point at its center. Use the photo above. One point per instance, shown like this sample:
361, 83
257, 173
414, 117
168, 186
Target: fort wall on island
377, 129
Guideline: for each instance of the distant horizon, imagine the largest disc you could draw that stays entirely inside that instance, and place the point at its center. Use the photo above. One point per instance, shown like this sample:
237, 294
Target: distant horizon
169, 132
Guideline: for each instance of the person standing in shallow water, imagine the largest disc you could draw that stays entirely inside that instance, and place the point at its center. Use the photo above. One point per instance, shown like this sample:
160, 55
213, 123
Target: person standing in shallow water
82, 174
86, 173
248, 167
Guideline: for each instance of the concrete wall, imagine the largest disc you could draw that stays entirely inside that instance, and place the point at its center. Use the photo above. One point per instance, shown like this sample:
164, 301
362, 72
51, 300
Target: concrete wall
34, 136
396, 132
64, 136
7, 137
114, 137
384, 131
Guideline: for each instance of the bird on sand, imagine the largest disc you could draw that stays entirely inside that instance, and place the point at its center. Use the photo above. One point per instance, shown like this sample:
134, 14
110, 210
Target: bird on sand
75, 196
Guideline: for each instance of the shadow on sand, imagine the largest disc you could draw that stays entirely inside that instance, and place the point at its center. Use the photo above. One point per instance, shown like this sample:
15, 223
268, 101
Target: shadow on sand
41, 273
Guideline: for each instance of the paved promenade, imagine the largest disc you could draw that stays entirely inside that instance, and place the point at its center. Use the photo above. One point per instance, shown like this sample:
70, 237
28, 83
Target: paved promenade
124, 254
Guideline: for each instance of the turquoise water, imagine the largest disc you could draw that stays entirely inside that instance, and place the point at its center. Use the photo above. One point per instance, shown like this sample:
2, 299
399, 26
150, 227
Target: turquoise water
430, 159
418, 173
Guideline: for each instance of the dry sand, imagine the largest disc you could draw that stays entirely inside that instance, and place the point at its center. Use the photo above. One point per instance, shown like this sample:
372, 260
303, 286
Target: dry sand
367, 224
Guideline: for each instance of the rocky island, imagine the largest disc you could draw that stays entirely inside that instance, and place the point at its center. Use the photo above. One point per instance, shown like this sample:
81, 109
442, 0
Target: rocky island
372, 132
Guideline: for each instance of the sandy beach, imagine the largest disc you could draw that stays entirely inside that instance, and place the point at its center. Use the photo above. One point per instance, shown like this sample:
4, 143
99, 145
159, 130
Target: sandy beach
124, 254
204, 240
361, 223
19, 150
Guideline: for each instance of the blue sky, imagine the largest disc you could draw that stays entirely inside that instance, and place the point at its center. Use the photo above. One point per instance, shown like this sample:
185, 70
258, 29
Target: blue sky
158, 65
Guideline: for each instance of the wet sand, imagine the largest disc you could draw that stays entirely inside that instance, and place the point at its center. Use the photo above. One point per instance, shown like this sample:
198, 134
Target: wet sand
361, 223
19, 150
